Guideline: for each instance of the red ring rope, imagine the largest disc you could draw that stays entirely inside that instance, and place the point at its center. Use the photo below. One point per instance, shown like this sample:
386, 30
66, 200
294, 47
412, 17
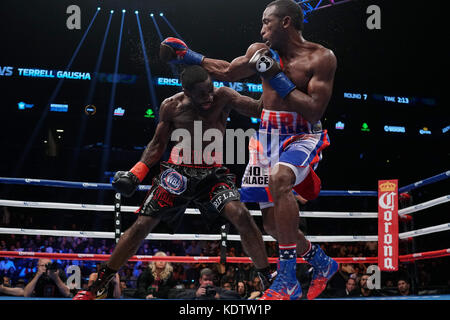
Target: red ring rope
203, 259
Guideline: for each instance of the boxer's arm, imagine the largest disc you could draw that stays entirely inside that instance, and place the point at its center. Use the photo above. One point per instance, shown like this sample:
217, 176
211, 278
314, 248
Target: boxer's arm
246, 106
238, 69
312, 105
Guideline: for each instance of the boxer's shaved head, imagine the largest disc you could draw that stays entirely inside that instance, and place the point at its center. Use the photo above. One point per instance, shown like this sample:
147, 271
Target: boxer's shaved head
288, 8
193, 75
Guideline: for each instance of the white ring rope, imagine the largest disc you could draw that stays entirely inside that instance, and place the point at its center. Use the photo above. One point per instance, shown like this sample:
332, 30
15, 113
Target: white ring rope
421, 232
306, 214
162, 236
167, 236
424, 205
186, 236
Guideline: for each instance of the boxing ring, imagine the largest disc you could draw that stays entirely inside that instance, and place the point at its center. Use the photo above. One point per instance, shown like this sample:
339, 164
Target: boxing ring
116, 209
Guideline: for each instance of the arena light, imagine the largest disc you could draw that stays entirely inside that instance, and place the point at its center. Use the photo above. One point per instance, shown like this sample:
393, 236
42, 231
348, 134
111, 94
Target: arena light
98, 8
136, 12
398, 129
161, 14
365, 127
108, 130
152, 15
149, 113
123, 10
89, 109
119, 112
148, 72
31, 141
425, 130
112, 11
22, 105
171, 27
340, 125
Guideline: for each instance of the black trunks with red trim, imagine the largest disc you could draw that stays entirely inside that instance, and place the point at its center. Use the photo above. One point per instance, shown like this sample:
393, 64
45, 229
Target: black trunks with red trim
177, 187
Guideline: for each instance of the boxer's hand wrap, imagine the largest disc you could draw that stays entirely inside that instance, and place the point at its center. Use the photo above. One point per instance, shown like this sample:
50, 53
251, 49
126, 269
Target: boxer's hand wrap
126, 182
174, 50
270, 70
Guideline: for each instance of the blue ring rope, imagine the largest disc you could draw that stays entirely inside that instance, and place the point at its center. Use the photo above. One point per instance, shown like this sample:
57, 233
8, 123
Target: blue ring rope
108, 186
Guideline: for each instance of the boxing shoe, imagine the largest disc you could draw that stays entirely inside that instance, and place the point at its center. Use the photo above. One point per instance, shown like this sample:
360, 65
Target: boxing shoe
324, 268
285, 285
98, 290
84, 295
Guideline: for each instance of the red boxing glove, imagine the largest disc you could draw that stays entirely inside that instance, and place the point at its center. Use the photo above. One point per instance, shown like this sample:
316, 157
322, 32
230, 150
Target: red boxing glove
175, 50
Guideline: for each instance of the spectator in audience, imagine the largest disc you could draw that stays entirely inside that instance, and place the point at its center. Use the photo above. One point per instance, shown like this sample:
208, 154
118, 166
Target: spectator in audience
242, 290
6, 264
403, 287
227, 286
194, 249
207, 290
349, 290
339, 280
364, 290
7, 289
246, 272
128, 276
27, 270
49, 281
156, 280
256, 289
230, 275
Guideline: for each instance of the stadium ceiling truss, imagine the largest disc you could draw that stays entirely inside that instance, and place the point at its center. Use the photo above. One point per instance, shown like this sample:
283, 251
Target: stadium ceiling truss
309, 6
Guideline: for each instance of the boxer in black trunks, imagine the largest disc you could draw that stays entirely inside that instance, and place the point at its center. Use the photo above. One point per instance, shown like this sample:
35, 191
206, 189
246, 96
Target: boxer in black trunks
185, 180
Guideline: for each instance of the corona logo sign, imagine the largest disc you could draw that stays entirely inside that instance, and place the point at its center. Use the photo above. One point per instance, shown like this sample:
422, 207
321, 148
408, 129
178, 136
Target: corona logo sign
388, 225
387, 186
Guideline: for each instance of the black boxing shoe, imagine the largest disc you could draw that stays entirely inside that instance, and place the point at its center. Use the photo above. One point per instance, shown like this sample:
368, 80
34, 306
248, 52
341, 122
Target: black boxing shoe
98, 290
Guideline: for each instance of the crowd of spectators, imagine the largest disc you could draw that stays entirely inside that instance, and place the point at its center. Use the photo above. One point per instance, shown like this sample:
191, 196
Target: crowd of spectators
144, 280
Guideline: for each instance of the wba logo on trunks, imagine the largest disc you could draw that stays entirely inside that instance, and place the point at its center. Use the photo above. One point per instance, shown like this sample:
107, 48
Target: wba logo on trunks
173, 182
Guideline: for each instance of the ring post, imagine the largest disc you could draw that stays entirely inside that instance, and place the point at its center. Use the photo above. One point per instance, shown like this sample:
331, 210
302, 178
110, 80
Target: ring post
388, 225
117, 217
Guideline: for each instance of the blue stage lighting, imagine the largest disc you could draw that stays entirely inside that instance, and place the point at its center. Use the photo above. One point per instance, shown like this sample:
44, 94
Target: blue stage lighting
151, 14
161, 14
98, 8
112, 11
123, 10
136, 12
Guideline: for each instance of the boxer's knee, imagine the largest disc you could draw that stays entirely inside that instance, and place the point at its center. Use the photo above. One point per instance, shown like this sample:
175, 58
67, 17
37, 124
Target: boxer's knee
281, 182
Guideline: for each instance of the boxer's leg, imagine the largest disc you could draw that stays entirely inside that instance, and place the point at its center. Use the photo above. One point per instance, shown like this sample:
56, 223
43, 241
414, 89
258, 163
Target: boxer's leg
324, 267
269, 225
131, 240
285, 219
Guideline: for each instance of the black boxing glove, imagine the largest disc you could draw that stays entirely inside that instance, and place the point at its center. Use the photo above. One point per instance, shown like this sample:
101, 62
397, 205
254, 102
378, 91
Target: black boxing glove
270, 70
126, 182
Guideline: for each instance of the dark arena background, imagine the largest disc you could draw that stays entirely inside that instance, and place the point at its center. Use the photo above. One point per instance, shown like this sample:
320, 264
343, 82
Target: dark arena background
80, 104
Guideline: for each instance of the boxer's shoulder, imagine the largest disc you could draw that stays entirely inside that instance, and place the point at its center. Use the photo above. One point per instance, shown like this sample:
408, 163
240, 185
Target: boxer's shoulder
170, 105
318, 53
255, 47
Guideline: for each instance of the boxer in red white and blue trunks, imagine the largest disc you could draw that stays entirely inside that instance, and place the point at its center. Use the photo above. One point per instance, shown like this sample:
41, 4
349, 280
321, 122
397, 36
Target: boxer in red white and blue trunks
297, 78
283, 138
